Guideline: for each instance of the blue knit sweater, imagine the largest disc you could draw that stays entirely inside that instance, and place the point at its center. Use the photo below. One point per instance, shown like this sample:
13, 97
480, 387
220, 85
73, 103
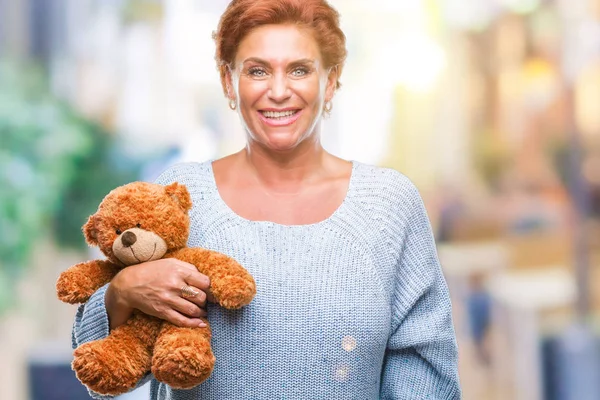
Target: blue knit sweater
352, 307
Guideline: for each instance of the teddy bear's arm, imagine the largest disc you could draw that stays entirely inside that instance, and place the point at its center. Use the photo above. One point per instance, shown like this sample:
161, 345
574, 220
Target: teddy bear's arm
78, 283
231, 285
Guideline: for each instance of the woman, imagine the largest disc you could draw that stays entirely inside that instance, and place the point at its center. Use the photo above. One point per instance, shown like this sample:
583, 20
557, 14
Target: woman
351, 301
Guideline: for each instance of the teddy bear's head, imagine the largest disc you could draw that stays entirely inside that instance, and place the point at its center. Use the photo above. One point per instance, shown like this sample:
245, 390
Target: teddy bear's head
140, 222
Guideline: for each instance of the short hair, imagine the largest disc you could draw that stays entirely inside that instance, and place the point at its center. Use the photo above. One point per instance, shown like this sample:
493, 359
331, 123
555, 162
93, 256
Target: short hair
242, 16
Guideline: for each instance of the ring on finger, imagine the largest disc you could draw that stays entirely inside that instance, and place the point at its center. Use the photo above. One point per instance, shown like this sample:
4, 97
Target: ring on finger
188, 291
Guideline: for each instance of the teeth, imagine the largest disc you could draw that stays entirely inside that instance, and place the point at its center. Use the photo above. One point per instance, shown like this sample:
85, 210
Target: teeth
277, 114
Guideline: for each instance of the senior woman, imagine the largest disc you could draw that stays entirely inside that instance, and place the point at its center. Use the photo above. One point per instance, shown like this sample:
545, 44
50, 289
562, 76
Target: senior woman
351, 302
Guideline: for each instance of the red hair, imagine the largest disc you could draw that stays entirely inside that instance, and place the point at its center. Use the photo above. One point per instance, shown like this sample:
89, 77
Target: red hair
242, 16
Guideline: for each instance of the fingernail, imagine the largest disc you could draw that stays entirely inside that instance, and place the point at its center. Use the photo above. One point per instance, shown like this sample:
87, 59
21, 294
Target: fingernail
201, 324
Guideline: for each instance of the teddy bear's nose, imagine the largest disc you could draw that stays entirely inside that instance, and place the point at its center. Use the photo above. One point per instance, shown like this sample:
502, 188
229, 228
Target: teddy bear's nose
128, 239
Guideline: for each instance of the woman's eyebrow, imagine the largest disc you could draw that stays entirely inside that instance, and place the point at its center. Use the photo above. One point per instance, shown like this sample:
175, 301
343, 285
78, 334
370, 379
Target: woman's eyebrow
255, 60
302, 61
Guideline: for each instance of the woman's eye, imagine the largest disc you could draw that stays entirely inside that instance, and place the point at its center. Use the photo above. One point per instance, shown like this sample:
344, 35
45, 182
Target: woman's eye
299, 72
139, 225
257, 72
118, 231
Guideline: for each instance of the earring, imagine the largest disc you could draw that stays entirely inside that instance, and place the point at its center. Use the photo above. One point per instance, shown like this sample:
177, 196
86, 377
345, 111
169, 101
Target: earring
232, 104
328, 106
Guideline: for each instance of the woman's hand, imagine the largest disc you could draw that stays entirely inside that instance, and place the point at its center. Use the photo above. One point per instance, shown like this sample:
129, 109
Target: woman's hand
155, 289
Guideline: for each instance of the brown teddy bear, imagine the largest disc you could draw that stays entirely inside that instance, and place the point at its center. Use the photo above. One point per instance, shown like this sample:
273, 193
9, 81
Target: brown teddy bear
135, 223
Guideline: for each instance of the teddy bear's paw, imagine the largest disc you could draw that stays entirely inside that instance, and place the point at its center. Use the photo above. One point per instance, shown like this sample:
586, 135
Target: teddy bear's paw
183, 366
235, 291
73, 287
103, 370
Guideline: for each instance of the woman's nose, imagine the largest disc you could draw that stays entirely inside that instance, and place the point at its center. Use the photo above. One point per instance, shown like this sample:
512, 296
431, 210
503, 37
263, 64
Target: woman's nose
279, 88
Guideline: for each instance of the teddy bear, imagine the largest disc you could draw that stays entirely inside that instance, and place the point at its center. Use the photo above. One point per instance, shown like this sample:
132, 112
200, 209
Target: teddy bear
135, 223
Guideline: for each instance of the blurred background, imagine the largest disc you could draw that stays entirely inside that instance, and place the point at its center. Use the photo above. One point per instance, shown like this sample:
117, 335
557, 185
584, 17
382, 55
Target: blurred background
492, 108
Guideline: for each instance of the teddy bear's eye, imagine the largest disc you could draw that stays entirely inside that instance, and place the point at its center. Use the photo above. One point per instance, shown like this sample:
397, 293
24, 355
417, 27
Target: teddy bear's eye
118, 231
139, 225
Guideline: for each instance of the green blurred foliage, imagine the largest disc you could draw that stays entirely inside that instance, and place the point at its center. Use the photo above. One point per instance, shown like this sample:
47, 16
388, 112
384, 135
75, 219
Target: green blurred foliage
55, 168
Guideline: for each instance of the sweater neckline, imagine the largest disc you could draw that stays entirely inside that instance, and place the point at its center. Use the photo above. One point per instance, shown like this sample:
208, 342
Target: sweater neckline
339, 210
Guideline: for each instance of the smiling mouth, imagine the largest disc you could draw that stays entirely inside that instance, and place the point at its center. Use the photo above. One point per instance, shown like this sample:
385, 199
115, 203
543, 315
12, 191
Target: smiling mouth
278, 115
149, 258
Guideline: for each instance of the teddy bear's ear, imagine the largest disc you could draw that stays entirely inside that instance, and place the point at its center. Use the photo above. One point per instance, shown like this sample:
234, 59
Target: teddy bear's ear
90, 231
180, 194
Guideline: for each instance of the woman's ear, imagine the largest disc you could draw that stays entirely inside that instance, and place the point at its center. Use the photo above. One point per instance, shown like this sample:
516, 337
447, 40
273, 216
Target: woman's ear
229, 84
332, 78
90, 231
180, 194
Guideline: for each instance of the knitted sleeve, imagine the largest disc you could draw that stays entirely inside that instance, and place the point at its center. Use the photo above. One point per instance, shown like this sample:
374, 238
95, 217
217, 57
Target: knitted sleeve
91, 323
91, 320
421, 355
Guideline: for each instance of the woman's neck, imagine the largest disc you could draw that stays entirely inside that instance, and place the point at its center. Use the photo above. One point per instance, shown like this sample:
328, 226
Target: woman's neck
298, 167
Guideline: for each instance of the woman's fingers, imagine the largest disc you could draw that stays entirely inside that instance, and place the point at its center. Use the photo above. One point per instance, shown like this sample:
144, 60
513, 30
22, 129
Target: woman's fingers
195, 278
181, 320
188, 308
196, 281
169, 289
209, 296
194, 295
192, 276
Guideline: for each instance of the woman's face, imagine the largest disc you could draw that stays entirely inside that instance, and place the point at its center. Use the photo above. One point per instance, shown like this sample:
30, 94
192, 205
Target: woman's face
280, 85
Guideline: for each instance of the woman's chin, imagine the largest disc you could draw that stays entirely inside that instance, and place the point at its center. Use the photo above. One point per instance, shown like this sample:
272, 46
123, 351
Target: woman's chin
281, 147
280, 141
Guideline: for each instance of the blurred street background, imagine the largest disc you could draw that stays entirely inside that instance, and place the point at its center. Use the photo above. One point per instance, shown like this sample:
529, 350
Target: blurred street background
492, 108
